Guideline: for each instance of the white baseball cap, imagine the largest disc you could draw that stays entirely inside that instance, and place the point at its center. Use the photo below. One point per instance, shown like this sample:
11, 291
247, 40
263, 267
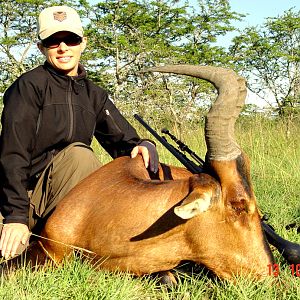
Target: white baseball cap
58, 18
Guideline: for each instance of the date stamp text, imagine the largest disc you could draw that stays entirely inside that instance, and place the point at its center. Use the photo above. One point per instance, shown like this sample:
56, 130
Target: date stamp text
274, 270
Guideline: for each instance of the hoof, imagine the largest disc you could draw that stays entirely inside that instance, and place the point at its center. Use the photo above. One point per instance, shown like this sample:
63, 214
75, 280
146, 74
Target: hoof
166, 278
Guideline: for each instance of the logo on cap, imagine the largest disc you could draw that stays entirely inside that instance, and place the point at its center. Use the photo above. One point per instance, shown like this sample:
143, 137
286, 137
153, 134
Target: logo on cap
60, 16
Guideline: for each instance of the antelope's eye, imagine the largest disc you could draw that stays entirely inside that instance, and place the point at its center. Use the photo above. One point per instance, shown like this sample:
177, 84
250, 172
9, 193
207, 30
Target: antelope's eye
239, 206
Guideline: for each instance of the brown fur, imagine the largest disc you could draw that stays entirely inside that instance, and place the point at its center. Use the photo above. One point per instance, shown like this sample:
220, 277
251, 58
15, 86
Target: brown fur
128, 221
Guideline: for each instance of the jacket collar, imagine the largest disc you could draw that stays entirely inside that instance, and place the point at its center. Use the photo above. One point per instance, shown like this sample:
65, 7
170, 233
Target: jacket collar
81, 72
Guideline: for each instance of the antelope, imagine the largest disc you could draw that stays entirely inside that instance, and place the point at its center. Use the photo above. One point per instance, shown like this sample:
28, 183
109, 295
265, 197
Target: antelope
134, 224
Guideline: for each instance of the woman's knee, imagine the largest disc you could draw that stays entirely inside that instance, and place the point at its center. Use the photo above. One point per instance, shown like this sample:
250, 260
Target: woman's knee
82, 157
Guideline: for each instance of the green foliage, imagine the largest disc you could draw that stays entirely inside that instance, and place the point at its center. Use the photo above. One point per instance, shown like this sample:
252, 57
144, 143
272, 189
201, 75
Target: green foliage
269, 57
125, 37
209, 20
18, 29
276, 178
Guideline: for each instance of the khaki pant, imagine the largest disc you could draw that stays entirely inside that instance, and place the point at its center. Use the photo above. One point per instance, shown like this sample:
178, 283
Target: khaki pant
65, 170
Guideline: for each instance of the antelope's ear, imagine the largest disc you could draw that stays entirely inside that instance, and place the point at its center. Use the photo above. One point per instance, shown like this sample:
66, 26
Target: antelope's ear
194, 204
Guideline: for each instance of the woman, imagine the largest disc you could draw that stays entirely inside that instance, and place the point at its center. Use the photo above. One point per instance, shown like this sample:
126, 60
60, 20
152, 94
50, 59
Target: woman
50, 116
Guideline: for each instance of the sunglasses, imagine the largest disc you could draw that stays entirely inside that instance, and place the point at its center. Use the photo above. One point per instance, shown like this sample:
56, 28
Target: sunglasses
69, 40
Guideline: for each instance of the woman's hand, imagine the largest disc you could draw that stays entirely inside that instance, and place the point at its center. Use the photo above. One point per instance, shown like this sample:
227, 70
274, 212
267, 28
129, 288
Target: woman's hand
13, 236
149, 154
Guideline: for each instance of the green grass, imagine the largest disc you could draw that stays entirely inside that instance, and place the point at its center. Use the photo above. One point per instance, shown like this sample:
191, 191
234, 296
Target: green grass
275, 165
275, 168
78, 280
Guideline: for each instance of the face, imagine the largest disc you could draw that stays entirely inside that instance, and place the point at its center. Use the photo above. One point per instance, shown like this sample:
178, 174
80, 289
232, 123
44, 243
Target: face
65, 57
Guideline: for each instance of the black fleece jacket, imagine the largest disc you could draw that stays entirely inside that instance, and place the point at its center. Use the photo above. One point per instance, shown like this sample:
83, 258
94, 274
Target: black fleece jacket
44, 112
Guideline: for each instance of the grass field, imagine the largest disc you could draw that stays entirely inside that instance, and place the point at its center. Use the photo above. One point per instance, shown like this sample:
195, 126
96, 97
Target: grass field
275, 157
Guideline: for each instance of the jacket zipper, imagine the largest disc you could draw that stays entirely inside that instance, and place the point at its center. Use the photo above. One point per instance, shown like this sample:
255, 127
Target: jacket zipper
38, 123
112, 119
71, 111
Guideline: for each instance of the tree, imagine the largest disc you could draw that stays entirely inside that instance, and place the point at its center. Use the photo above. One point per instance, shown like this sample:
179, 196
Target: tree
207, 21
18, 33
126, 36
269, 56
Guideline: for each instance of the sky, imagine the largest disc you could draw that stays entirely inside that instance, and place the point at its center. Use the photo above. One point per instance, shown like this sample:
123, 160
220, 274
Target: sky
256, 12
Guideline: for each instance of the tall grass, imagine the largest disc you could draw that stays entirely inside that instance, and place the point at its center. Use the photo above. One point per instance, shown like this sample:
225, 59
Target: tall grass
275, 162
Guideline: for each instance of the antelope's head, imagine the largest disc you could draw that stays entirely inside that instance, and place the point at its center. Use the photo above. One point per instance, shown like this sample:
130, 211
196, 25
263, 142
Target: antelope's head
226, 234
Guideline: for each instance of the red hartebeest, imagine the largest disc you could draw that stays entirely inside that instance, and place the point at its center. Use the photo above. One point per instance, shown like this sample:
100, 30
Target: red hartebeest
142, 226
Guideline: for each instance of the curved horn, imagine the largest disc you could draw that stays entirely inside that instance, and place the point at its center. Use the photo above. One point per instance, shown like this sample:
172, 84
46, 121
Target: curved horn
220, 120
